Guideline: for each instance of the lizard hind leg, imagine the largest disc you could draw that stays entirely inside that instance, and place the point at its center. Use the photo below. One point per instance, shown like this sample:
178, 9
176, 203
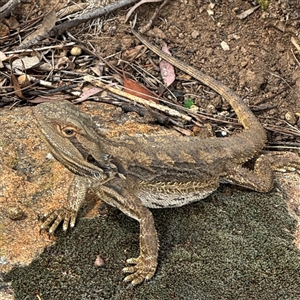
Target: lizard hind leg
144, 266
261, 179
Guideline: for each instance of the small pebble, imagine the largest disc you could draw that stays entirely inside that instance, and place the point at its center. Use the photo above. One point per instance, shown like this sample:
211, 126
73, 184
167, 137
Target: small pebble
99, 262
195, 34
15, 213
76, 51
225, 46
291, 118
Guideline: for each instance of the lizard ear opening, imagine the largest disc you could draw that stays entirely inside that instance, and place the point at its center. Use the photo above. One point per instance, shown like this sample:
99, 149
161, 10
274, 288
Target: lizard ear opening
103, 166
90, 159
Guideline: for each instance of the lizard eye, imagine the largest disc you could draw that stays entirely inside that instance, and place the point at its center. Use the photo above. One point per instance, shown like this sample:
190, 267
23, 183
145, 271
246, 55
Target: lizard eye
68, 132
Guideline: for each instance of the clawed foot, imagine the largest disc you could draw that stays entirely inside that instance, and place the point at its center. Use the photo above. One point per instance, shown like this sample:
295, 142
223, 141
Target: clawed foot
144, 269
54, 218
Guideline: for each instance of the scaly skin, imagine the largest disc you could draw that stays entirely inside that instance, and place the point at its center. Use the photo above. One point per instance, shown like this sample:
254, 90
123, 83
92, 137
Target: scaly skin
134, 173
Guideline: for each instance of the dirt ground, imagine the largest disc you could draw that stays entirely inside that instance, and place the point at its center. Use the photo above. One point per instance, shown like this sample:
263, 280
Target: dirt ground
257, 56
261, 63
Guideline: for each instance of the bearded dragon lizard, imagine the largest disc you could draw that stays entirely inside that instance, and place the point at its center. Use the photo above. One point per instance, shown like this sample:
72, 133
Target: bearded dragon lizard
140, 172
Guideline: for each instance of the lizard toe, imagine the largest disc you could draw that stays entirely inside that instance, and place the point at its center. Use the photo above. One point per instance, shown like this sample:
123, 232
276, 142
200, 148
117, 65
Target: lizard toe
55, 217
144, 269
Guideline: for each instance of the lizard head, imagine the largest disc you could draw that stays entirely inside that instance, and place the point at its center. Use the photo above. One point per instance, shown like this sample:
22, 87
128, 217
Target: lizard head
72, 139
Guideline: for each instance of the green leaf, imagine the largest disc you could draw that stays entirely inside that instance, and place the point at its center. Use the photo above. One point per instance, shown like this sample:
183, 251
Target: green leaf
264, 4
188, 103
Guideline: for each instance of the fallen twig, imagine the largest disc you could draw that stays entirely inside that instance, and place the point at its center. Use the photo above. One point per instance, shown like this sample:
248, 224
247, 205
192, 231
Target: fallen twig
133, 8
61, 46
59, 29
149, 23
7, 8
160, 107
281, 130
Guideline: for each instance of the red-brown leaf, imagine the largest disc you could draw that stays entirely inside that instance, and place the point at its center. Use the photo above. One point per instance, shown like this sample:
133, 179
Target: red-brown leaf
134, 88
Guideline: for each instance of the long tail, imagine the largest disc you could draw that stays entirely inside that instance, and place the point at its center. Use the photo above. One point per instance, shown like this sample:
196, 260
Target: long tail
251, 124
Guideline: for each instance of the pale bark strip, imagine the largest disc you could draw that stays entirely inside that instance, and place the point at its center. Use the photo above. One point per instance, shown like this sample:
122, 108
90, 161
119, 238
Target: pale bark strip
7, 8
59, 29
97, 82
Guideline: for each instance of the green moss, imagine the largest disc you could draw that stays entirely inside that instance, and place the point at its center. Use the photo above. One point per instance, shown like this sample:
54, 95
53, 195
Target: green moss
264, 4
188, 103
225, 247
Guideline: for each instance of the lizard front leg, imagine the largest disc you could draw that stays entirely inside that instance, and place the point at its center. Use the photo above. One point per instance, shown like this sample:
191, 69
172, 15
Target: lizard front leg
144, 265
68, 215
261, 179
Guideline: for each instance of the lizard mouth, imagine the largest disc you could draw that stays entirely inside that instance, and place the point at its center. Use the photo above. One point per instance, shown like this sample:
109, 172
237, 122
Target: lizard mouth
87, 164
81, 168
95, 168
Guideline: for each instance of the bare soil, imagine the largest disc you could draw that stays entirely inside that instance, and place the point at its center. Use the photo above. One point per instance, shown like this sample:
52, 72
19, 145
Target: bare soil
261, 65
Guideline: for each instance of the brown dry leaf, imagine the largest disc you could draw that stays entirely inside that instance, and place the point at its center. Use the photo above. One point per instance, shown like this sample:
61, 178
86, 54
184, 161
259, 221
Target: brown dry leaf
49, 21
4, 30
134, 53
134, 88
26, 62
247, 12
166, 69
88, 92
41, 99
3, 57
47, 24
118, 78
24, 80
16, 86
64, 64
11, 22
98, 69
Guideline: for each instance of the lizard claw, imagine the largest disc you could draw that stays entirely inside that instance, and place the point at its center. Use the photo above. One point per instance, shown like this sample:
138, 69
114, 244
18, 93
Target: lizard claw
55, 217
144, 269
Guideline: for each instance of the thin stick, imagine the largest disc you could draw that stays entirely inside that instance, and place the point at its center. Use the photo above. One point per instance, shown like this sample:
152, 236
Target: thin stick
7, 8
160, 107
154, 16
61, 46
59, 29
